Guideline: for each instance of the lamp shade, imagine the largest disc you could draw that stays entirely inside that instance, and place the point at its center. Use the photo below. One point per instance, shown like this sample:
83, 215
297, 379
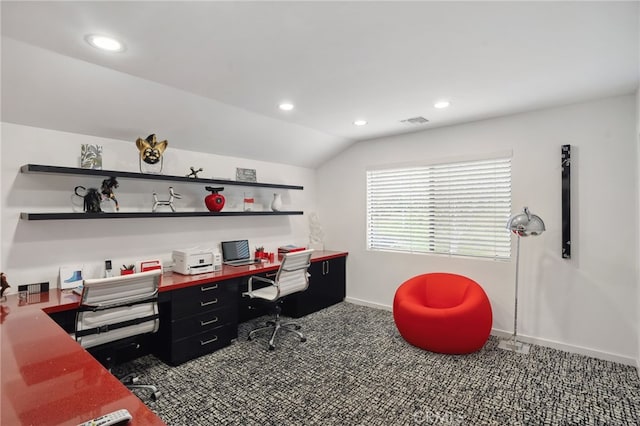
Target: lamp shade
525, 224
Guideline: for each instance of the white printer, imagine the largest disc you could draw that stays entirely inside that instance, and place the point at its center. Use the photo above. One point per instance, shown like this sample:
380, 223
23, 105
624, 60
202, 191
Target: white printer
196, 261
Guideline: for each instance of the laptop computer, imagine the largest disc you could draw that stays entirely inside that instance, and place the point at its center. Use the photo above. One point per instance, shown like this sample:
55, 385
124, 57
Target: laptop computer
237, 253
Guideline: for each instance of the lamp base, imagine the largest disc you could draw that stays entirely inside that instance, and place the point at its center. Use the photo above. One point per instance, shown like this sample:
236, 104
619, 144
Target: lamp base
514, 346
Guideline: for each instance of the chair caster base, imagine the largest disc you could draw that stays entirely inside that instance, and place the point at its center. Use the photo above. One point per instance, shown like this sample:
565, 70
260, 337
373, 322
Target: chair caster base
274, 327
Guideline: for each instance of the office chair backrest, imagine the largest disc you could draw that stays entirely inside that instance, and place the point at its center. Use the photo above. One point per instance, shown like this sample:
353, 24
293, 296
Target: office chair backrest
118, 307
292, 275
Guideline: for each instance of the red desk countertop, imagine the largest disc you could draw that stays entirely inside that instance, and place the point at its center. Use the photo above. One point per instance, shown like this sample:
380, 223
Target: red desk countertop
48, 379
174, 281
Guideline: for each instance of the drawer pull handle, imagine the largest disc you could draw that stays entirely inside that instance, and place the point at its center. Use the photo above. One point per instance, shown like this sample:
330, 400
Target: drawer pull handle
206, 342
203, 323
213, 302
213, 287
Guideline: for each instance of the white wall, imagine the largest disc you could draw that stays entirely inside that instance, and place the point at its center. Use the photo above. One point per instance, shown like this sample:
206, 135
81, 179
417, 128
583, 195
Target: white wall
32, 251
586, 303
638, 177
638, 219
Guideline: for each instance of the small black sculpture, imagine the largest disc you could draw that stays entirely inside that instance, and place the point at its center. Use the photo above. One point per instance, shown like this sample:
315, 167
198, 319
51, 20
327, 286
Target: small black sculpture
194, 172
92, 199
107, 190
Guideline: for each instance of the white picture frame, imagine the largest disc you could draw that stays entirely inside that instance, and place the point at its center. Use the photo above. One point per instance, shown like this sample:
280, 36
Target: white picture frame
245, 175
71, 276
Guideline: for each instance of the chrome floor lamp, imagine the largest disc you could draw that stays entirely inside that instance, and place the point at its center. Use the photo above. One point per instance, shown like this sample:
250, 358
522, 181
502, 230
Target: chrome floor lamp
522, 224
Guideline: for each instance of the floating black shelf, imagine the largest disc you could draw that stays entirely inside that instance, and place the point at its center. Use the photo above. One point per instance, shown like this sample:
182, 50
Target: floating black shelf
38, 168
134, 215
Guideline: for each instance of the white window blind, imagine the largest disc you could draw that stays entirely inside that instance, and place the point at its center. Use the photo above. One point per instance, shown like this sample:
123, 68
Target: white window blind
455, 209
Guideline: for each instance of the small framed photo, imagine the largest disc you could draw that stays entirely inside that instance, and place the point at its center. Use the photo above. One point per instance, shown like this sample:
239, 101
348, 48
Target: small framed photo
91, 156
245, 175
71, 276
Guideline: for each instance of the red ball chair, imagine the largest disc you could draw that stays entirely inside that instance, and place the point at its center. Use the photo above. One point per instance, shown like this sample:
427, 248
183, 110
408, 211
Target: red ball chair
445, 313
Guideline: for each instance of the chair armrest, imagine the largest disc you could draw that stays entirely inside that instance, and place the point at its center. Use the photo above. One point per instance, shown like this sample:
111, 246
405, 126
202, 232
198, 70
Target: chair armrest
254, 277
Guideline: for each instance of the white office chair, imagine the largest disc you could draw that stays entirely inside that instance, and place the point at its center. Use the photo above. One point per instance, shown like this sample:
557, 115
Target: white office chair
292, 277
116, 308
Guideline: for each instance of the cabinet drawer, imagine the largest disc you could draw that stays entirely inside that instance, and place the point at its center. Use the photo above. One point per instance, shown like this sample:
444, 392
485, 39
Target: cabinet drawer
202, 322
195, 346
202, 298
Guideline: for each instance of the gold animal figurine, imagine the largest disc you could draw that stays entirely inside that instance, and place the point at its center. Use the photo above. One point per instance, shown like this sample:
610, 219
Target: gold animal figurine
151, 150
4, 285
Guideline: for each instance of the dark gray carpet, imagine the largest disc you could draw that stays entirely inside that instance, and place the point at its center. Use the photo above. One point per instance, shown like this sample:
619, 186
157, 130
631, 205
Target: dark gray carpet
355, 369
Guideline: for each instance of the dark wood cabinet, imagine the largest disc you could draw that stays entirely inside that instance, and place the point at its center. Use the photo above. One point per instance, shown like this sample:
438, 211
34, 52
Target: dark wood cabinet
197, 320
327, 286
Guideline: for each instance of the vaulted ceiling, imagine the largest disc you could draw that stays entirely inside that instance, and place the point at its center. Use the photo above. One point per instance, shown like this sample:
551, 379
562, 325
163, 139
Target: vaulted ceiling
208, 76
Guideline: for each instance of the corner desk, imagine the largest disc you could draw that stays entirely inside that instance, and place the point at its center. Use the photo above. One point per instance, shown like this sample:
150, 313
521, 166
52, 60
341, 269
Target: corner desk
48, 379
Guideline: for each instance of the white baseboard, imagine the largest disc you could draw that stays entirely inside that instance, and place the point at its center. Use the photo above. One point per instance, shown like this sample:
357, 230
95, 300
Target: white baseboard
580, 350
534, 340
369, 304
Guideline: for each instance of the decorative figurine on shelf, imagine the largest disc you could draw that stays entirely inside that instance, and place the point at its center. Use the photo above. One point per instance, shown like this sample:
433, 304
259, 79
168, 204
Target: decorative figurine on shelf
194, 172
92, 199
151, 151
214, 201
276, 204
107, 190
5, 286
157, 203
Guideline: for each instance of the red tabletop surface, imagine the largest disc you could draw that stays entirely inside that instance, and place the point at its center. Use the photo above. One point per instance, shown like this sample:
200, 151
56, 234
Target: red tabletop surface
174, 281
48, 379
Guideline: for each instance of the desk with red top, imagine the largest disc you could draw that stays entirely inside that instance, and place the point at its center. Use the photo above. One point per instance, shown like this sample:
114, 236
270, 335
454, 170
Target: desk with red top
48, 379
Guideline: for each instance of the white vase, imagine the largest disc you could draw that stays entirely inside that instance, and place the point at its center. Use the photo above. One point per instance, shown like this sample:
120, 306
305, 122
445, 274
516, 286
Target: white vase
276, 204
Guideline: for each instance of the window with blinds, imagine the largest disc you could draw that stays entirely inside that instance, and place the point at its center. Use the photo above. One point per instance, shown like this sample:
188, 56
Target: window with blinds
456, 209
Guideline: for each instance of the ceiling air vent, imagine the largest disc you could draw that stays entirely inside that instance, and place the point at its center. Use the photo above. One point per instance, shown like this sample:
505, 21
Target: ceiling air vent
415, 120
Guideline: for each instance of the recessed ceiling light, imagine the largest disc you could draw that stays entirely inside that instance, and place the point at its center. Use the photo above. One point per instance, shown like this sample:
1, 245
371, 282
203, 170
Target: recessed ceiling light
105, 43
286, 106
360, 122
442, 104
